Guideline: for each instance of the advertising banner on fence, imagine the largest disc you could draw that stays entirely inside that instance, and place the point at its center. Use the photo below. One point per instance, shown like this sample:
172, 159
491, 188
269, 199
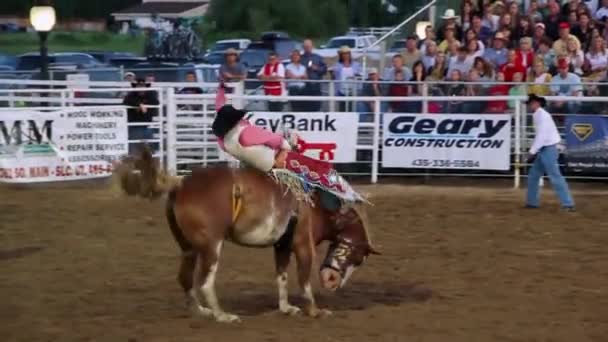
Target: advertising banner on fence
61, 145
447, 141
327, 136
587, 143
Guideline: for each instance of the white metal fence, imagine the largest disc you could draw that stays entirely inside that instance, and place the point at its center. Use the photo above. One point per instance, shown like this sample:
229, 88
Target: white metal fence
185, 140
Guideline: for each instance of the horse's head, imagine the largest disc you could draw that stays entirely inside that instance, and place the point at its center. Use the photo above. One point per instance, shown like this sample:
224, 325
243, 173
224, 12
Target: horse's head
349, 248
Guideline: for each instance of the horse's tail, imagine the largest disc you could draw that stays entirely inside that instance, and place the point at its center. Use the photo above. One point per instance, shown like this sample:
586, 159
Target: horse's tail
143, 176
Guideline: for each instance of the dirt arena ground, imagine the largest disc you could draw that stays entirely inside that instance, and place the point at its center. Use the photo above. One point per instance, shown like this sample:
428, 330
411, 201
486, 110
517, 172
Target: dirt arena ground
459, 264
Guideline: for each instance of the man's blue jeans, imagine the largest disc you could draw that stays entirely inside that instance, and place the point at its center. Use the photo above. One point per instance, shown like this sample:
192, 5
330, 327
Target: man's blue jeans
547, 162
140, 133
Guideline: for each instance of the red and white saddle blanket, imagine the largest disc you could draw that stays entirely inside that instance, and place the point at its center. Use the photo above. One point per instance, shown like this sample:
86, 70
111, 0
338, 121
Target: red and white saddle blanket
302, 172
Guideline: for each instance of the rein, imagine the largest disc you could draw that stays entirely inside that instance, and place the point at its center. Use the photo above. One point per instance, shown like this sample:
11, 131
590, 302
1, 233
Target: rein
237, 202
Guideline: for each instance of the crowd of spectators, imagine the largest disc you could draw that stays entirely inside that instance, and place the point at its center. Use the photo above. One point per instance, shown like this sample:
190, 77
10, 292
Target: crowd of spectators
513, 48
488, 48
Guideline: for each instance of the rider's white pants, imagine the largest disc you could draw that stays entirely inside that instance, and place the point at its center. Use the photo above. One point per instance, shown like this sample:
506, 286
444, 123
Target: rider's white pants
261, 157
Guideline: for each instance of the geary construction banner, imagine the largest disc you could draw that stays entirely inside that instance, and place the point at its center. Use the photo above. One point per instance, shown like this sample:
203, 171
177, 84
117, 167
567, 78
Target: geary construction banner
447, 141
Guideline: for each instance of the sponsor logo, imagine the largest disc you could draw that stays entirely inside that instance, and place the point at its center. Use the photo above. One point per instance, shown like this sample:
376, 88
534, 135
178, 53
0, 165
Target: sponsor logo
32, 137
300, 124
582, 131
471, 128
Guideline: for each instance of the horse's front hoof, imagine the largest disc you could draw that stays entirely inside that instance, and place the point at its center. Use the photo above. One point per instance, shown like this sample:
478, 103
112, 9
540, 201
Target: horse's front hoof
200, 311
227, 318
290, 310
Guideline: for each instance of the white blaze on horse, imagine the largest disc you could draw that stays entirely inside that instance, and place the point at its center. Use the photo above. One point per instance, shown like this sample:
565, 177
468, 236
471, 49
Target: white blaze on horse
250, 208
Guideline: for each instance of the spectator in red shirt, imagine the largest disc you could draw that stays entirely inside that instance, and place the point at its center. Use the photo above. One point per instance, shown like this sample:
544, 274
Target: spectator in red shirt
399, 89
525, 54
498, 106
512, 66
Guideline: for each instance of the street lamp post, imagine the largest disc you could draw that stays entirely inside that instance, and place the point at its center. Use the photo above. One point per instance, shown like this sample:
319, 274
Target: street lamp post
42, 18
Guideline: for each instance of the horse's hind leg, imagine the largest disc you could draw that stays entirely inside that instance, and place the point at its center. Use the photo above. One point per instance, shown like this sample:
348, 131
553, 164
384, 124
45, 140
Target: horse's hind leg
185, 278
204, 278
282, 254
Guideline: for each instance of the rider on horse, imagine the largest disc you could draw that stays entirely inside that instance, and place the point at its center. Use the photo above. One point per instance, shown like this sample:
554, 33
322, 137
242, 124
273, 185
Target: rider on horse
268, 152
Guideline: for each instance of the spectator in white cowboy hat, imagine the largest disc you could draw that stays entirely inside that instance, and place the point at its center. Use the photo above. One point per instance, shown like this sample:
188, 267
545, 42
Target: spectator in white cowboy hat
345, 71
544, 157
129, 77
232, 70
497, 54
450, 21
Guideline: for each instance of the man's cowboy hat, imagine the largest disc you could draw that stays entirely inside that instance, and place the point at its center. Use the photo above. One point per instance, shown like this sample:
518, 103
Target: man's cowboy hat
500, 35
139, 82
449, 14
231, 51
535, 98
344, 49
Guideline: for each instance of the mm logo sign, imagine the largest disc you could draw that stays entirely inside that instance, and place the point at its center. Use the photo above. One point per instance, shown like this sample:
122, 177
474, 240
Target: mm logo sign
33, 136
582, 131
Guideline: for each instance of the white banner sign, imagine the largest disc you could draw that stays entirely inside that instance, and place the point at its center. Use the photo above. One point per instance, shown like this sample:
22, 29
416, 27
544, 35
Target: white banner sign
61, 145
327, 136
447, 141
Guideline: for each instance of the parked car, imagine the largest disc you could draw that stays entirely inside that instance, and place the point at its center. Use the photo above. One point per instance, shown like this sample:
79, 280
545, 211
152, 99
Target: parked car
253, 59
106, 56
397, 46
127, 62
8, 60
215, 58
11, 28
223, 45
32, 61
273, 35
357, 44
175, 72
283, 47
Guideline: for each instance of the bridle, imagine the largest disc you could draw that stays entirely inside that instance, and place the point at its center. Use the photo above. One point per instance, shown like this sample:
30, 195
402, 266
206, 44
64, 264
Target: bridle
341, 252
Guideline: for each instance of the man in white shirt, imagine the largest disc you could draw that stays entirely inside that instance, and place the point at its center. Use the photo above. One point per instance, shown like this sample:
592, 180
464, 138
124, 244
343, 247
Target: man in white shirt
544, 157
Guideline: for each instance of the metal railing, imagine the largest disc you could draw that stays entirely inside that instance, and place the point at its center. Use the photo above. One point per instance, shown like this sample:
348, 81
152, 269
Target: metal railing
186, 141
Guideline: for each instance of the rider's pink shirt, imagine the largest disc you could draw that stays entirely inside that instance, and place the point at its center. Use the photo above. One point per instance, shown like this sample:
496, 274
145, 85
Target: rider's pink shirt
254, 135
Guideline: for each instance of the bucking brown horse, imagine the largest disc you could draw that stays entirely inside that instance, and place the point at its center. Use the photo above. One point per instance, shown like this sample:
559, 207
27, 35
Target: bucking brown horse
251, 209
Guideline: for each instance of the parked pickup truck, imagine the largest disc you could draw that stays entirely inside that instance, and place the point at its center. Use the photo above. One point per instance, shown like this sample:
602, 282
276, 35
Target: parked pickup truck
357, 45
